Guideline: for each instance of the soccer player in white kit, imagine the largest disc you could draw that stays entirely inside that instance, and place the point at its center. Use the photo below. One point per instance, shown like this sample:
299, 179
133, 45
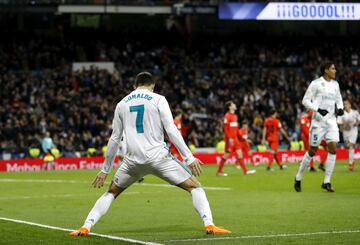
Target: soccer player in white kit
349, 123
323, 97
144, 116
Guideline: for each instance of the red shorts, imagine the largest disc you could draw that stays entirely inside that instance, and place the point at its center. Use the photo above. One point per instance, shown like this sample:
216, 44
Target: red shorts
245, 147
232, 147
323, 143
305, 139
274, 144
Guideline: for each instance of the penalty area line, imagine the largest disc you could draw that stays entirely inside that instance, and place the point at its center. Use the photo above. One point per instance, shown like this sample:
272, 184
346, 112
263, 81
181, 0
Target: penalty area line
264, 236
92, 234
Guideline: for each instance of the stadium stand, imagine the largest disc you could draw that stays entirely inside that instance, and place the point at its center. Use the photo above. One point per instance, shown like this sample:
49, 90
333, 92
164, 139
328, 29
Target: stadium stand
41, 93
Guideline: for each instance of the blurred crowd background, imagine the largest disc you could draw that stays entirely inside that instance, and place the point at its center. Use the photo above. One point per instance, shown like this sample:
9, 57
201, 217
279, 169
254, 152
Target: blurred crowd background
40, 92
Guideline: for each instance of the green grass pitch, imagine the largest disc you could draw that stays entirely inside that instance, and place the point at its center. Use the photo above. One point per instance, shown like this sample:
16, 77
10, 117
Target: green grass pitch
257, 206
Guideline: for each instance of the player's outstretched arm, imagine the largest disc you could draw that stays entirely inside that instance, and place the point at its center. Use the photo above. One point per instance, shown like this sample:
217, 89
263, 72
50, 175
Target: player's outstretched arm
99, 179
114, 142
195, 167
285, 134
308, 97
172, 131
339, 102
263, 141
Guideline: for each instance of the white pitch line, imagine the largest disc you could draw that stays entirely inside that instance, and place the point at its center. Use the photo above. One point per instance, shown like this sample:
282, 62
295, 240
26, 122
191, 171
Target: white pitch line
263, 236
211, 188
45, 181
93, 234
59, 196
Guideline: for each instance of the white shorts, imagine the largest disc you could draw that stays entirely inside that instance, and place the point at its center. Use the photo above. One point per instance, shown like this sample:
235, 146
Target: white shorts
329, 134
169, 169
350, 136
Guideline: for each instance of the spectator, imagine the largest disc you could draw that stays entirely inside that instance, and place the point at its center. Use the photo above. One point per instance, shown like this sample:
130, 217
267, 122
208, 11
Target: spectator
39, 93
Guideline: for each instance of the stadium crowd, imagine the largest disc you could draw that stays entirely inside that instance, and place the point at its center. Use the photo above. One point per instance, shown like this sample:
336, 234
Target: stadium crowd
40, 93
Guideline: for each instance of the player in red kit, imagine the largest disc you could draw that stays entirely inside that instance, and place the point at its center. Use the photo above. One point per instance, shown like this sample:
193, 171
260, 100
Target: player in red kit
232, 143
243, 136
177, 122
272, 127
305, 121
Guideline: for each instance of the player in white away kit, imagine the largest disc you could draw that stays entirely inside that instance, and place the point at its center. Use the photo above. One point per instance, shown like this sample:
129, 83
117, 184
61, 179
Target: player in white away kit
143, 116
323, 97
349, 123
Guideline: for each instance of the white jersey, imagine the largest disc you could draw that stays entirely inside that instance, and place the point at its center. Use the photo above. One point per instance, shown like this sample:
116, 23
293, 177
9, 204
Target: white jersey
349, 120
122, 149
143, 116
324, 95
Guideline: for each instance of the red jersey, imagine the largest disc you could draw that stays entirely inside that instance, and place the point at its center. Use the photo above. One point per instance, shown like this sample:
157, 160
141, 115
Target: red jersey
272, 126
305, 125
230, 125
243, 135
177, 124
173, 149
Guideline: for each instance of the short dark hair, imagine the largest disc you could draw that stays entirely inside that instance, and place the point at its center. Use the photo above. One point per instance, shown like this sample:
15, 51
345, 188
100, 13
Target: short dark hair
273, 111
227, 105
325, 66
243, 122
144, 78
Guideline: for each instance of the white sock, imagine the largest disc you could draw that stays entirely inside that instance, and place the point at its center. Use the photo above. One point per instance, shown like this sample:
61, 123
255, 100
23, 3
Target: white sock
100, 208
201, 205
330, 164
351, 155
303, 165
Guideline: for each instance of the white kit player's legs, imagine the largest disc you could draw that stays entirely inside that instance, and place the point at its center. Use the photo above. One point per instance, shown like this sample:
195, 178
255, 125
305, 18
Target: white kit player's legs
303, 165
330, 164
201, 205
351, 155
100, 208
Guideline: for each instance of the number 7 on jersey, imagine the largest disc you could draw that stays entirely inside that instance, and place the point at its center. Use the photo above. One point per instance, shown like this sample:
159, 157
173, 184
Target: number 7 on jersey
139, 109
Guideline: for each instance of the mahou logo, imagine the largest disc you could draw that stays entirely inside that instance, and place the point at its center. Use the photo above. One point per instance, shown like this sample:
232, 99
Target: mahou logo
23, 167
